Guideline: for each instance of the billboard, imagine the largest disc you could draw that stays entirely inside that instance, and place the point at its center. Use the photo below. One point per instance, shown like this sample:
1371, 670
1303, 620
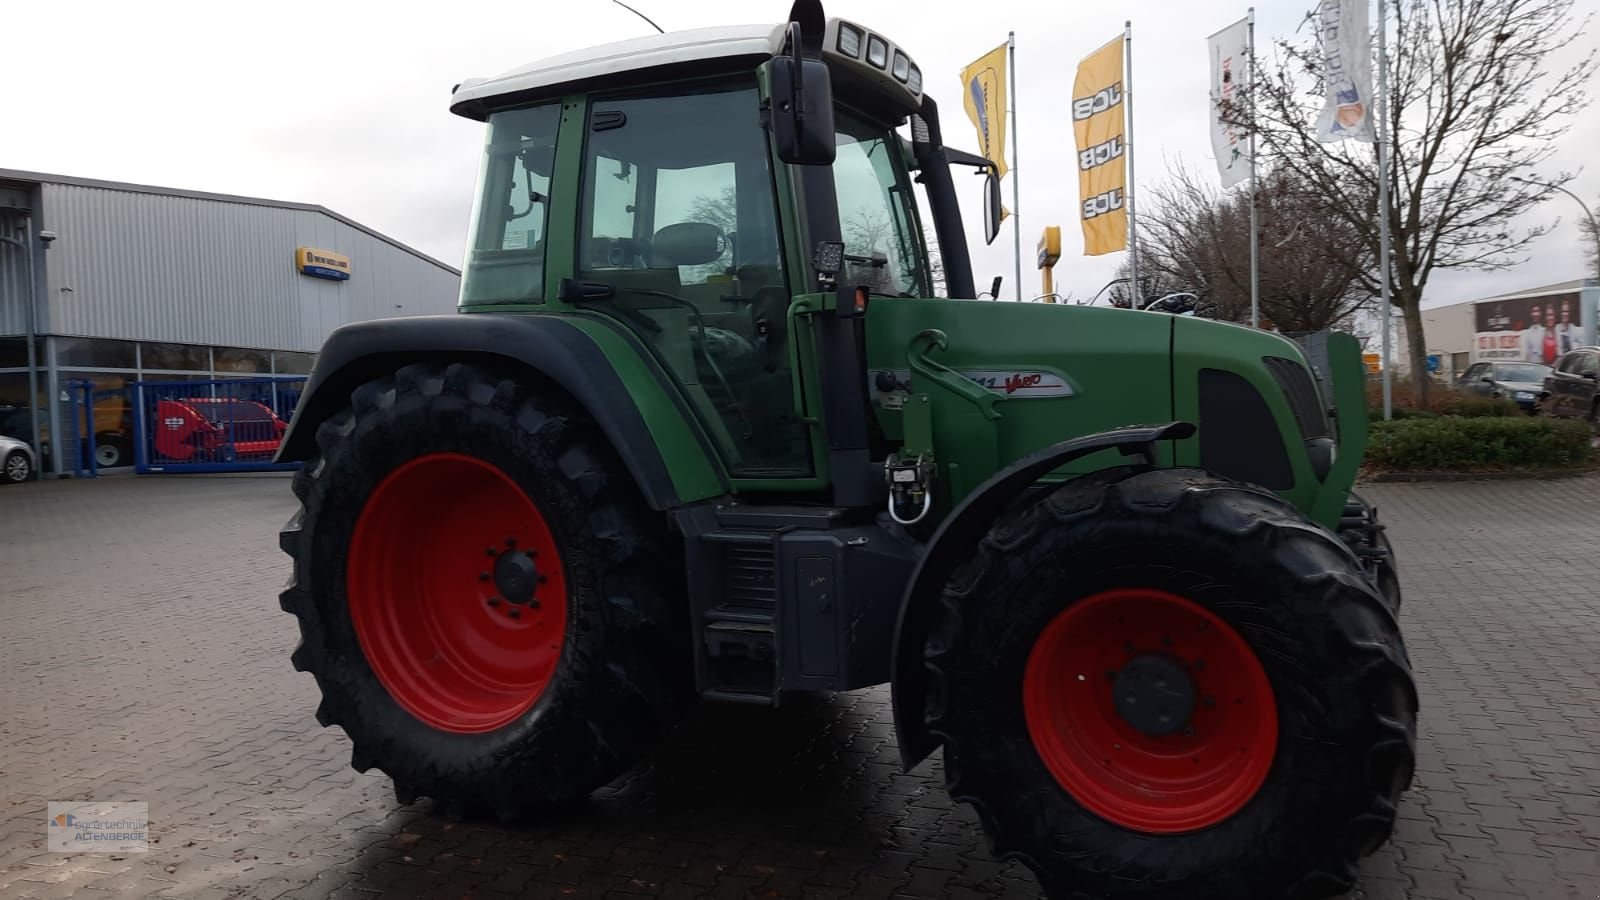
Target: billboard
1527, 329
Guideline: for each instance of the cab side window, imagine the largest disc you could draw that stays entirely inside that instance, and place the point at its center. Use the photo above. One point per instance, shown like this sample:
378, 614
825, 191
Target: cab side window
505, 261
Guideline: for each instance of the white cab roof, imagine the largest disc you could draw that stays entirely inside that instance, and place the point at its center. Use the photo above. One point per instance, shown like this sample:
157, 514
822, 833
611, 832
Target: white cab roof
652, 51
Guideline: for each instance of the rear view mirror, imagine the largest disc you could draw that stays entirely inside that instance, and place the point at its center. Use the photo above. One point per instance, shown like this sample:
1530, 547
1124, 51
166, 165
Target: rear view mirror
992, 210
800, 111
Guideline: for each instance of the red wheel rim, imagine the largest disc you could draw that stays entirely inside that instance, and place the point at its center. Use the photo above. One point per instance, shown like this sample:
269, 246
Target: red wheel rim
1171, 783
438, 545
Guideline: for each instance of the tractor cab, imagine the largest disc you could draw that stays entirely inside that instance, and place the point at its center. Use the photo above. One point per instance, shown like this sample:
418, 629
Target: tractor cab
717, 175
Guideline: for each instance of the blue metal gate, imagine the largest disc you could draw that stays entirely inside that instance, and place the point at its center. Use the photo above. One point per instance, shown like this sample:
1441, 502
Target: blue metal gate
228, 425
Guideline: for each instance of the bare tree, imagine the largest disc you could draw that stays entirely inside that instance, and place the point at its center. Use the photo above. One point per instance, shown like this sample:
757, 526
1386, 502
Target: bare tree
1470, 103
720, 210
1198, 240
1591, 234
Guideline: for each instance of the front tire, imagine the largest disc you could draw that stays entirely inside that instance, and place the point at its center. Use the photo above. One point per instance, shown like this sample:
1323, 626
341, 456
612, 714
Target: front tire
18, 468
484, 600
1171, 685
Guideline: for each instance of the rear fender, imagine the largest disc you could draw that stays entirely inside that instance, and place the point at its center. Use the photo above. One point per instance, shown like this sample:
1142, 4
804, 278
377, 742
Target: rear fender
953, 542
639, 416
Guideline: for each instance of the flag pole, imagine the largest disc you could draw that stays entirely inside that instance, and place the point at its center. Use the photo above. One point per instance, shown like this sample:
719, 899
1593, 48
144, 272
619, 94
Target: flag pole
1255, 227
1383, 206
1127, 131
1016, 192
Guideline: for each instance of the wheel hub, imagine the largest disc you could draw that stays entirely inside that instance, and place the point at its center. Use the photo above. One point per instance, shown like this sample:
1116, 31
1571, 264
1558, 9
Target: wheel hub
1150, 710
1155, 694
517, 578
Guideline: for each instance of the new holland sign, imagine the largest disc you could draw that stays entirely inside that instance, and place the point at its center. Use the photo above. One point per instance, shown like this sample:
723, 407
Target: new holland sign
322, 263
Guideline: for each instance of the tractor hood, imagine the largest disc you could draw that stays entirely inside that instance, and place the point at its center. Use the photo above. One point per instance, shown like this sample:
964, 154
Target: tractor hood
1054, 372
1049, 373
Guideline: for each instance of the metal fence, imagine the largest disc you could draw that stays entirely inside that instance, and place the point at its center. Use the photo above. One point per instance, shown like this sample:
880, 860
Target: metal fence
228, 425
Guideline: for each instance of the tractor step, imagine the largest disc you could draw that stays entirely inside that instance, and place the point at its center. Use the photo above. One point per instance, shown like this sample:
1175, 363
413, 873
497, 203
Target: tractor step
742, 658
782, 595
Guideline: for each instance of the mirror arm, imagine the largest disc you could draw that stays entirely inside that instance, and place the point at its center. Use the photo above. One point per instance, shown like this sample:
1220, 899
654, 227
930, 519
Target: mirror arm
963, 158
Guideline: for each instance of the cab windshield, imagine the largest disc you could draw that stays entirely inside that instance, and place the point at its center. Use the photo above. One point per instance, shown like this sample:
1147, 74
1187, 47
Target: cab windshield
876, 213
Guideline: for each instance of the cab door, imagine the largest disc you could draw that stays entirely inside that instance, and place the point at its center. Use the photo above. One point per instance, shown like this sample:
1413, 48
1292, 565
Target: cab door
679, 218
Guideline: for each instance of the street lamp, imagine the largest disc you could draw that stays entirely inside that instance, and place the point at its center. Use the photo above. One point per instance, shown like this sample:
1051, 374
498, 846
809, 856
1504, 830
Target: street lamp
1593, 228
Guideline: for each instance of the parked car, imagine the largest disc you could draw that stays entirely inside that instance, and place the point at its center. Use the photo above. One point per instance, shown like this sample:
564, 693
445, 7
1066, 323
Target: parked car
16, 461
1519, 382
1569, 390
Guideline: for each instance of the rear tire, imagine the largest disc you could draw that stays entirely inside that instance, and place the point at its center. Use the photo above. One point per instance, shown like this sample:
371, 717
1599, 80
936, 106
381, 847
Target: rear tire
435, 683
110, 451
1292, 782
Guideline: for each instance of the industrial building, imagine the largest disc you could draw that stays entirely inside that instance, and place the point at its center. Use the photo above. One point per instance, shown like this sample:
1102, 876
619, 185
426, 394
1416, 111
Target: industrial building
1533, 325
123, 282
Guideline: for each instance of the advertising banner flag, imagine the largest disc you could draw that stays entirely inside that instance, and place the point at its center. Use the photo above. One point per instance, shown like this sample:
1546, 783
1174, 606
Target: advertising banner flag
1230, 71
1100, 129
984, 95
1347, 71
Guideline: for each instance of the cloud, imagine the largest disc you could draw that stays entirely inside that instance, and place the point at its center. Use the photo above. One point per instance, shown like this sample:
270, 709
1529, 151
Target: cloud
345, 103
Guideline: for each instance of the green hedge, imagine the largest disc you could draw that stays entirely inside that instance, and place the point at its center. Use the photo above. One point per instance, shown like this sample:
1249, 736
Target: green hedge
1485, 443
1453, 404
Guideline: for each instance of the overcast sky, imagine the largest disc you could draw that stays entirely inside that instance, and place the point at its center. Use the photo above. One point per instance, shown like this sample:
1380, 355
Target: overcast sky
344, 103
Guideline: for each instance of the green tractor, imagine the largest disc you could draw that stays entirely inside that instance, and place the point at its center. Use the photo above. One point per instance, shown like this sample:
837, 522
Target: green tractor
704, 430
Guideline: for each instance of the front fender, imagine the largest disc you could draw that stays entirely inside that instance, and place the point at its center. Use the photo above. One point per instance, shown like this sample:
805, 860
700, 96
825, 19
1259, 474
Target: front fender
952, 543
599, 365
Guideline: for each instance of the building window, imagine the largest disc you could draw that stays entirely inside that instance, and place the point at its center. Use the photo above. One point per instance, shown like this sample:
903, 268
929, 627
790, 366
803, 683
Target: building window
231, 359
95, 353
14, 407
14, 353
287, 363
186, 357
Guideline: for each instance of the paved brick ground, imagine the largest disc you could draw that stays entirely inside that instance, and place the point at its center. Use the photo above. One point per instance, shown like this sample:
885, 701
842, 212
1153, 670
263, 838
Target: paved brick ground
145, 659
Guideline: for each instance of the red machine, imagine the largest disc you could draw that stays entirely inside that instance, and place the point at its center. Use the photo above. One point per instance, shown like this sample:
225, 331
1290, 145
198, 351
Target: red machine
216, 429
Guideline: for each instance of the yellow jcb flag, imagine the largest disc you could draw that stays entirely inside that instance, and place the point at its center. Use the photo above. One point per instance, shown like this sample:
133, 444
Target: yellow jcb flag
1097, 122
983, 92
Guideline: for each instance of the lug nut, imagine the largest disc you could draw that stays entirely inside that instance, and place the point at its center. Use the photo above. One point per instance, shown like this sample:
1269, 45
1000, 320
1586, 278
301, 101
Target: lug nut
490, 551
516, 613
483, 576
494, 601
511, 542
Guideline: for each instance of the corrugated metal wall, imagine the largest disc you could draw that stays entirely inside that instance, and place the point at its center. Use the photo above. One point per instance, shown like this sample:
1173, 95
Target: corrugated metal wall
153, 267
13, 280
